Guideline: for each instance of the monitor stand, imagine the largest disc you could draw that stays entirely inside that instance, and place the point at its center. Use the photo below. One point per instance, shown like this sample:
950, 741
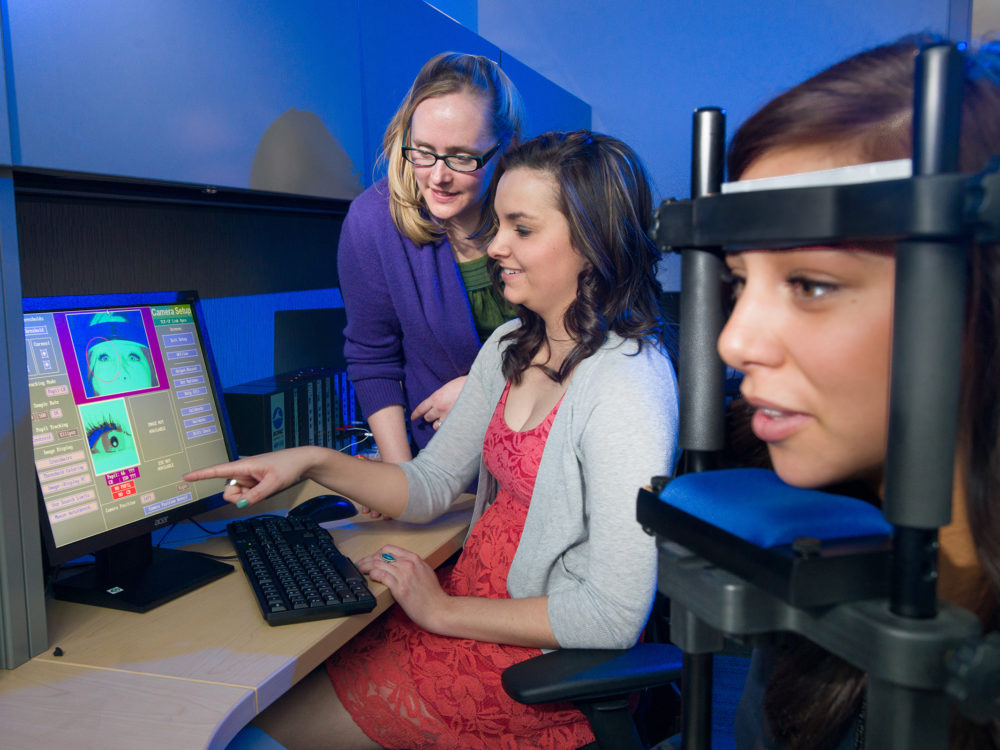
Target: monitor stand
135, 576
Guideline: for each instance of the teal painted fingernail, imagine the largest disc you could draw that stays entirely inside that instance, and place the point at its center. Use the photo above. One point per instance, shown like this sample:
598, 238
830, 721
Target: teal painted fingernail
243, 502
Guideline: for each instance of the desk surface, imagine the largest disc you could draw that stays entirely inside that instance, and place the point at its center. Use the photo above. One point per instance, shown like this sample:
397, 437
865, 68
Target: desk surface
192, 672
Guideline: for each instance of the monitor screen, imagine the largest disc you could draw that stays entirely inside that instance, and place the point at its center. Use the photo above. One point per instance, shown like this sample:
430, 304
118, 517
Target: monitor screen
124, 400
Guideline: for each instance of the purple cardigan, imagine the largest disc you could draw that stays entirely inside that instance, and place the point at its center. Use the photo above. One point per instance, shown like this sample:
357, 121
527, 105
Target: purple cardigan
409, 325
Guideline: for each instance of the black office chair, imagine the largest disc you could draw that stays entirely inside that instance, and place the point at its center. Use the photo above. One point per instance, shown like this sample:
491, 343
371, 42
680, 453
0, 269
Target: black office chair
927, 654
601, 683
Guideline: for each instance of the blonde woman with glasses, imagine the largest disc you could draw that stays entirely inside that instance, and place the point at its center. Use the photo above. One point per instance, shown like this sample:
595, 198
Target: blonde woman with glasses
411, 260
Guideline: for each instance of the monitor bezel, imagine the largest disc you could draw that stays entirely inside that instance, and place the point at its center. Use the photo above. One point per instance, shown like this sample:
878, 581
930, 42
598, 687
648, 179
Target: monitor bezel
58, 555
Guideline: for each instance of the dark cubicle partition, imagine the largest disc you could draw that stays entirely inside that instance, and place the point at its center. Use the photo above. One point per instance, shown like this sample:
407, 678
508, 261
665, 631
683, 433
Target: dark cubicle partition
83, 234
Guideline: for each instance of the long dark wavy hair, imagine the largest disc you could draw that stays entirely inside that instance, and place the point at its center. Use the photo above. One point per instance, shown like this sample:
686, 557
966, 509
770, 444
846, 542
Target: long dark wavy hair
604, 194
864, 104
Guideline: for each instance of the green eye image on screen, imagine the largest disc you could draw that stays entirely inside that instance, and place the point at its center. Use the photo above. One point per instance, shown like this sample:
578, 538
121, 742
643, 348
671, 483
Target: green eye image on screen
109, 435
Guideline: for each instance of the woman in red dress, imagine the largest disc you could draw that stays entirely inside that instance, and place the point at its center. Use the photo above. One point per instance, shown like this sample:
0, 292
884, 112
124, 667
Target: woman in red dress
565, 413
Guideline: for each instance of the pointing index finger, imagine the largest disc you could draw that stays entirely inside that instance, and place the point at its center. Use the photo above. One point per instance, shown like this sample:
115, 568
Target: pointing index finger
220, 471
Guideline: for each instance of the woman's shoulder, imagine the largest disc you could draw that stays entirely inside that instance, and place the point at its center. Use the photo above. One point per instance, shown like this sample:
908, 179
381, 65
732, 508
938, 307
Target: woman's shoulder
494, 345
369, 230
504, 328
626, 353
374, 200
370, 215
620, 366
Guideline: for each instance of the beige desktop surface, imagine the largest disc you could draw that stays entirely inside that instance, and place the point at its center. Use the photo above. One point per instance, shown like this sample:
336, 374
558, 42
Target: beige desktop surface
205, 660
46, 705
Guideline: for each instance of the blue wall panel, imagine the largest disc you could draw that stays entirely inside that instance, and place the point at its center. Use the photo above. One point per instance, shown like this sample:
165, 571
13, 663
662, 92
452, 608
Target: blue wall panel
548, 106
397, 38
184, 90
466, 12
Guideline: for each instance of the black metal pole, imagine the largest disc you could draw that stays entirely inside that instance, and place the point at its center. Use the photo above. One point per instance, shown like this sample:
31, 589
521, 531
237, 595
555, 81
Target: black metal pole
696, 701
700, 371
926, 357
923, 408
701, 385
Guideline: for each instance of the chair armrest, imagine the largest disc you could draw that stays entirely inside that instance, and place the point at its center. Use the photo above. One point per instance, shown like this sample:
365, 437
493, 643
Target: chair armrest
589, 674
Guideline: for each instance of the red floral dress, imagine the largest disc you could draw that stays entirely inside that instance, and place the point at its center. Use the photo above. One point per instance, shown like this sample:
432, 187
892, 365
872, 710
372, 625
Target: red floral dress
407, 688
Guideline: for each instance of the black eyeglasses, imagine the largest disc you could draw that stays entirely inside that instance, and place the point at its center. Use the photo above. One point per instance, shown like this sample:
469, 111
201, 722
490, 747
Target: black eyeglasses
459, 162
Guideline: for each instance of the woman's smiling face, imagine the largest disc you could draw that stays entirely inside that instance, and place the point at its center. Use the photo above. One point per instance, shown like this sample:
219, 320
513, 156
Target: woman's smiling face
540, 267
811, 331
453, 124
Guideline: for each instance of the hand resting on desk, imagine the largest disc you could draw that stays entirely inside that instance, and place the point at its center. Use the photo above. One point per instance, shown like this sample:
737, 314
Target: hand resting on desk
413, 583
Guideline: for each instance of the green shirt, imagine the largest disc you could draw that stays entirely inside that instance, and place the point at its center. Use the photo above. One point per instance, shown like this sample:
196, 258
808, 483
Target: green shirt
489, 308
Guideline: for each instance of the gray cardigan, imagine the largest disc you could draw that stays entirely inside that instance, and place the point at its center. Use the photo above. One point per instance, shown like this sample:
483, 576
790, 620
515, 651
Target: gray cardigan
581, 546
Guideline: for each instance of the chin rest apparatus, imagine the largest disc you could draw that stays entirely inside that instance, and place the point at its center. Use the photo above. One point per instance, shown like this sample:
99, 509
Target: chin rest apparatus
744, 556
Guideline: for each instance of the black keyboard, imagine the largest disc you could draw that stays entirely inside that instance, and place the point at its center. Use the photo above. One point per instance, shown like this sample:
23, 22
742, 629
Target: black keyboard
296, 571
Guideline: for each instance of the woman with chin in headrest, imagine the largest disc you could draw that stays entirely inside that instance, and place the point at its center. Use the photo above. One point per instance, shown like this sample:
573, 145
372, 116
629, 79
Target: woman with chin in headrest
811, 330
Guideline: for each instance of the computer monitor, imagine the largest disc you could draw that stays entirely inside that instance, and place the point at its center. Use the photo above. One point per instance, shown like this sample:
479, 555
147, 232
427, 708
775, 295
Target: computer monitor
124, 399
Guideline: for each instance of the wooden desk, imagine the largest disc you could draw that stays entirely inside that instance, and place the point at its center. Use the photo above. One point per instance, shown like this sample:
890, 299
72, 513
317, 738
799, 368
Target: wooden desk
192, 672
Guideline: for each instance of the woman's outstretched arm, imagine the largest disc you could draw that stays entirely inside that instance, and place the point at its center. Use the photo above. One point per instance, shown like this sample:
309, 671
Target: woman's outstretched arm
380, 486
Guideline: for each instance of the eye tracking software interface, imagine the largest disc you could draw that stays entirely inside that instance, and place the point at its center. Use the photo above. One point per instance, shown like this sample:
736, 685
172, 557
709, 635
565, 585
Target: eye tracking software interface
122, 405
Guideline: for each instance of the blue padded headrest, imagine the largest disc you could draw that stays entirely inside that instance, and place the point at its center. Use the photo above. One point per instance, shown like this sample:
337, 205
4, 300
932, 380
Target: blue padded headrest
755, 505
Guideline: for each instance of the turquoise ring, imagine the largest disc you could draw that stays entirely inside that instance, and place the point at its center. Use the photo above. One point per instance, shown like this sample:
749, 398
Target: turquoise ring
388, 558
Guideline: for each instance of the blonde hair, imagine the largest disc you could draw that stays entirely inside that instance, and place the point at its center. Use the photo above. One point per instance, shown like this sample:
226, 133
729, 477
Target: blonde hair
447, 73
